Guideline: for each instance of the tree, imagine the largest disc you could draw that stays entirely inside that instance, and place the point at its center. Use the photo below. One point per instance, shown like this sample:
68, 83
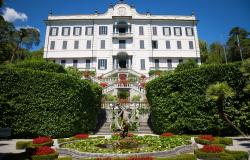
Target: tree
245, 69
26, 37
203, 51
7, 31
189, 64
234, 49
218, 93
1, 3
216, 53
37, 54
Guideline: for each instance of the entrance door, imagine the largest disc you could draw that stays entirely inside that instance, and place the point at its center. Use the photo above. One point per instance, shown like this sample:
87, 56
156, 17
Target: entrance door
123, 63
157, 65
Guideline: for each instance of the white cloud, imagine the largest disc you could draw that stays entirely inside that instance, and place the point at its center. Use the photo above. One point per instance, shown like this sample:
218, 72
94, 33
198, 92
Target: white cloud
12, 15
19, 27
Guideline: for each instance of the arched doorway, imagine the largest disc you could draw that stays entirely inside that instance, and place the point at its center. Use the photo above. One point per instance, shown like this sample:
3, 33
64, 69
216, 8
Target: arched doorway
122, 60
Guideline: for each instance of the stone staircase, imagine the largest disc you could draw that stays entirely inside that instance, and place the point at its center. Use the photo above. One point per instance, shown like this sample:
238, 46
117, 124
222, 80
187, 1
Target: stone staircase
105, 129
144, 128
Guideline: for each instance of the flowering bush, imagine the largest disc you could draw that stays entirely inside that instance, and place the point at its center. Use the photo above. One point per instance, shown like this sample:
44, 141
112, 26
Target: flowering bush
103, 84
122, 76
206, 137
167, 134
142, 84
41, 140
86, 74
212, 149
82, 136
44, 150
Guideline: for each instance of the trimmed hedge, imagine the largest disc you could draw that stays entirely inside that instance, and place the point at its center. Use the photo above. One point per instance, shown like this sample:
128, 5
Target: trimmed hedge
226, 155
23, 144
218, 140
40, 65
45, 157
180, 157
39, 103
179, 105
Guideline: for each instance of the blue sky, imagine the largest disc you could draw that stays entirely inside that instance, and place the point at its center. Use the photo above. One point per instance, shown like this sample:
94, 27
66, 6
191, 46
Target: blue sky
216, 17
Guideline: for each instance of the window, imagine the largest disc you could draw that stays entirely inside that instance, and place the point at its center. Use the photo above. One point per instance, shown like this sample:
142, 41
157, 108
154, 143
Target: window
53, 31
154, 44
77, 31
103, 30
75, 63
180, 60
122, 44
64, 46
179, 45
168, 45
88, 63
88, 44
189, 31
191, 45
52, 45
141, 44
143, 64
155, 31
177, 31
76, 44
102, 44
141, 30
63, 62
65, 31
89, 31
166, 31
102, 64
169, 61
157, 64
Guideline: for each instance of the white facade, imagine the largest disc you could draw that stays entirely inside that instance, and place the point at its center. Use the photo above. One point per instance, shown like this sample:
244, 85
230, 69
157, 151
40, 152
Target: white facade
121, 26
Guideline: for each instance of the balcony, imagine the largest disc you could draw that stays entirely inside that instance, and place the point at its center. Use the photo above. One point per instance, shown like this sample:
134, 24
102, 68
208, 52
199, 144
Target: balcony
122, 35
87, 69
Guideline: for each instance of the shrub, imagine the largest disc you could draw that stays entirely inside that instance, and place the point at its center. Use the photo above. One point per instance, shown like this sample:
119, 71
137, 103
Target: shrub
136, 98
212, 149
22, 144
81, 136
40, 65
217, 140
189, 64
180, 157
167, 134
155, 72
74, 72
179, 105
57, 105
65, 158
45, 157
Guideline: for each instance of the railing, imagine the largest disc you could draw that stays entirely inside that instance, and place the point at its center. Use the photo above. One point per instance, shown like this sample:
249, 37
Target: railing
87, 69
122, 35
113, 104
162, 68
123, 86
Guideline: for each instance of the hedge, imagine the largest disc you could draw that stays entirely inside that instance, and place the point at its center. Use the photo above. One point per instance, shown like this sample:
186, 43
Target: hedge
218, 140
40, 65
226, 155
39, 103
179, 105
180, 157
45, 157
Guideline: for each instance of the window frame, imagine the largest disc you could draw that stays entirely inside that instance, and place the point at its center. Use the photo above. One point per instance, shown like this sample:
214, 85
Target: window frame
50, 31
141, 30
103, 30
87, 63
80, 31
179, 45
120, 44
168, 44
175, 31
54, 44
143, 65
142, 44
191, 44
88, 44
156, 44
76, 44
170, 63
63, 62
192, 31
103, 44
65, 45
86, 30
75, 63
102, 64
164, 32
63, 31
154, 28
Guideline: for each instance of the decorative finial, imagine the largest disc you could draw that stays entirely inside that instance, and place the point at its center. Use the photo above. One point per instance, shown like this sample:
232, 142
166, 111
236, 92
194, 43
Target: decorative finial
111, 5
132, 5
121, 2
50, 12
192, 13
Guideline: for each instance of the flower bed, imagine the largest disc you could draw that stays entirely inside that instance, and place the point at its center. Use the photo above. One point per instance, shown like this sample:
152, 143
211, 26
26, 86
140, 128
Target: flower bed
167, 134
36, 142
81, 136
209, 139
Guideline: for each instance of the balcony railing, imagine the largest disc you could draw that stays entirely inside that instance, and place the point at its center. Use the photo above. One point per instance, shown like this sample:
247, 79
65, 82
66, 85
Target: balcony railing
87, 69
162, 68
122, 35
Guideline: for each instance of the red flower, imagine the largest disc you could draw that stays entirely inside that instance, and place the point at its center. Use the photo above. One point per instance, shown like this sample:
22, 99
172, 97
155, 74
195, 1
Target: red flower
206, 137
44, 150
122, 76
212, 149
82, 136
40, 140
140, 158
167, 134
103, 84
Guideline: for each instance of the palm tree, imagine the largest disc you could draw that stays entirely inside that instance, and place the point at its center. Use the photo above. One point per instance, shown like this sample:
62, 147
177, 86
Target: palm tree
218, 93
26, 37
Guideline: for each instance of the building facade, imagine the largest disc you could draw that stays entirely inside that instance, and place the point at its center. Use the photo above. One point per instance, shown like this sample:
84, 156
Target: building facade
121, 38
